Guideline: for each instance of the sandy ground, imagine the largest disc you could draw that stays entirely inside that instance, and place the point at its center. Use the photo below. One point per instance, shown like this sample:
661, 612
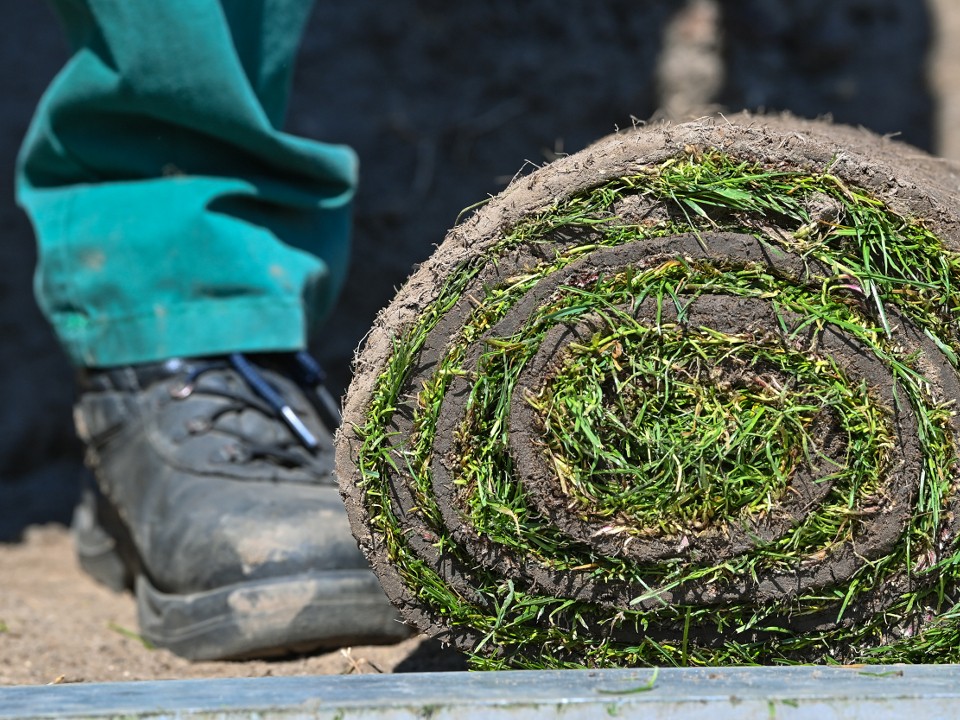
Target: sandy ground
57, 625
945, 77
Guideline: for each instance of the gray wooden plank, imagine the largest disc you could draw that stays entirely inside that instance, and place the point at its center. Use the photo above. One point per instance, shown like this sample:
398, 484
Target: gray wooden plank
817, 693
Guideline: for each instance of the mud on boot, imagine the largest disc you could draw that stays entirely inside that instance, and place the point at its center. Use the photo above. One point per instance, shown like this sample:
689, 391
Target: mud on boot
215, 500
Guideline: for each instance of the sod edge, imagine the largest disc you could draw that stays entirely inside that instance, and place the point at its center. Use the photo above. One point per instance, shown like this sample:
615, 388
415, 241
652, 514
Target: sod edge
870, 263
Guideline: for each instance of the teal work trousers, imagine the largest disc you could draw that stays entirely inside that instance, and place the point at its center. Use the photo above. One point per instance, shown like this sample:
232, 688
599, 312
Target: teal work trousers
173, 216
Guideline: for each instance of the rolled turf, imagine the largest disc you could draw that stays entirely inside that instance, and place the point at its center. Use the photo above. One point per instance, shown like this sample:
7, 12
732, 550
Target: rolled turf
685, 397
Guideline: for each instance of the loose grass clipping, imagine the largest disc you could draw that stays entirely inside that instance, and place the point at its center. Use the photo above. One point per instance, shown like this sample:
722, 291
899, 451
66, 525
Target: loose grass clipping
685, 397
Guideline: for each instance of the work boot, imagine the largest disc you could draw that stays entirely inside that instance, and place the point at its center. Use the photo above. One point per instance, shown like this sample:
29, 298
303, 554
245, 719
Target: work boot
214, 499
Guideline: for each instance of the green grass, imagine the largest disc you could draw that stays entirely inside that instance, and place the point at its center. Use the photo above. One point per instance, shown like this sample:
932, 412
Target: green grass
640, 431
131, 635
643, 437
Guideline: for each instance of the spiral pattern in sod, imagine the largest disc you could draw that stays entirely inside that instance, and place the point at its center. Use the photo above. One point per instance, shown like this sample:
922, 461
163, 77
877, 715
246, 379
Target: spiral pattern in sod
684, 398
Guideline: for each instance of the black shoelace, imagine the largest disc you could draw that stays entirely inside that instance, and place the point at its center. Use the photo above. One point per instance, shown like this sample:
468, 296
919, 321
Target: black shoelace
305, 371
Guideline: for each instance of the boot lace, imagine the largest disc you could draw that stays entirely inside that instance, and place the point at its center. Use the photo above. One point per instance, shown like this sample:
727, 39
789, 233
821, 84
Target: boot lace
259, 393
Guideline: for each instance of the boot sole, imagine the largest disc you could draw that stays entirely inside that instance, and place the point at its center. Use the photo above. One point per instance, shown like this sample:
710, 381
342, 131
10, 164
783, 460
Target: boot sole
264, 618
281, 616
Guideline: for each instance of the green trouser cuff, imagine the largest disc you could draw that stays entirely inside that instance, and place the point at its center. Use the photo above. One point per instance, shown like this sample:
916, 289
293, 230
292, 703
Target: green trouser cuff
173, 217
266, 325
179, 267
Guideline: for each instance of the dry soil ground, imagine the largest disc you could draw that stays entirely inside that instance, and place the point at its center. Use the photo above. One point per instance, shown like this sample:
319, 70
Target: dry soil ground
56, 625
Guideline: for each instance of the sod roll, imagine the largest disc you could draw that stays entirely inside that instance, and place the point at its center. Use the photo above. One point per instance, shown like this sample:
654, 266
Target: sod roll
685, 397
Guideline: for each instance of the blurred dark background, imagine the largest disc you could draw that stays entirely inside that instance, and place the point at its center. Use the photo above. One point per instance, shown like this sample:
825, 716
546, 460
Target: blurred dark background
444, 103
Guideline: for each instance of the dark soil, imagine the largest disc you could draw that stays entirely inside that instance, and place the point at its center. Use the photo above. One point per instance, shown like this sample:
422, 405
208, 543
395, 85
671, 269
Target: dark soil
440, 125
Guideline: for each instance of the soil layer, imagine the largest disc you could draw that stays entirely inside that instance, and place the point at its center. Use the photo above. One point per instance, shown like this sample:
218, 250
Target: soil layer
469, 366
